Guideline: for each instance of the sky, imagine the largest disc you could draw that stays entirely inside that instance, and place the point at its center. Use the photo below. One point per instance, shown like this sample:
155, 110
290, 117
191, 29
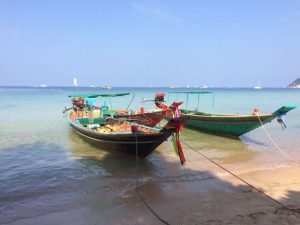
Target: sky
123, 43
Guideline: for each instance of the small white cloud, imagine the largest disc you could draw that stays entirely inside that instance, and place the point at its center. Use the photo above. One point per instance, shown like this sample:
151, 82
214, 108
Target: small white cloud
157, 12
166, 15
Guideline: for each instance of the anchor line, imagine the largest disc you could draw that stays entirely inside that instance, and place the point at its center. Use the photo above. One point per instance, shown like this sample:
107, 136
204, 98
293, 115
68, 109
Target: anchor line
242, 180
274, 143
137, 190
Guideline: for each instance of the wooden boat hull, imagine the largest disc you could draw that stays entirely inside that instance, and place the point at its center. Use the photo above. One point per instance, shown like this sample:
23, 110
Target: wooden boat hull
227, 125
149, 119
144, 144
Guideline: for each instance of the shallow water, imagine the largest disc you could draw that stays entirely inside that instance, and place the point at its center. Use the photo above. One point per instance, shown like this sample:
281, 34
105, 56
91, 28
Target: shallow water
47, 168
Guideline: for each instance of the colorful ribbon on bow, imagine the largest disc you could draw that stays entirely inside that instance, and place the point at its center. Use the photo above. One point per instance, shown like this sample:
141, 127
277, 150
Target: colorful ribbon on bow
175, 137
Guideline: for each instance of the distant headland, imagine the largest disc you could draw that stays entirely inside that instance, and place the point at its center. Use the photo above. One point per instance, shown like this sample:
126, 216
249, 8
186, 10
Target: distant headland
295, 84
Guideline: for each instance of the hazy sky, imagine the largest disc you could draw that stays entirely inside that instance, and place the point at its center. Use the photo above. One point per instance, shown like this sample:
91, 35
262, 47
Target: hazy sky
150, 43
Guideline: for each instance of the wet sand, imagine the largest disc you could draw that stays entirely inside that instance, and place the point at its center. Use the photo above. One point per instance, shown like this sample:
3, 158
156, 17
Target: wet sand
197, 193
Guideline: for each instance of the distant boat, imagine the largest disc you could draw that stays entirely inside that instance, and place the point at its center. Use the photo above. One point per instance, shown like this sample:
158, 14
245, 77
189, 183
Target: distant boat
92, 86
106, 87
258, 86
172, 86
43, 85
203, 86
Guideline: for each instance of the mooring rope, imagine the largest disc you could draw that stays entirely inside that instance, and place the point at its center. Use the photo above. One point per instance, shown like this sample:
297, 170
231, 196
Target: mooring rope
241, 179
137, 183
274, 143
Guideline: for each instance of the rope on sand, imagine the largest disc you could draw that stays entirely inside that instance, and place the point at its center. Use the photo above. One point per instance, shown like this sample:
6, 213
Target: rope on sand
137, 183
241, 179
274, 143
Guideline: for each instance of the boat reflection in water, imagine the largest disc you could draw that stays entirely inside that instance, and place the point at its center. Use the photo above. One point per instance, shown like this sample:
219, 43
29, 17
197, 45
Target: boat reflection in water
110, 163
223, 149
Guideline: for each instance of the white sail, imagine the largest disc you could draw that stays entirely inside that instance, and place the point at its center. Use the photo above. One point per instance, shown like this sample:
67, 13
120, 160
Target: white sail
75, 82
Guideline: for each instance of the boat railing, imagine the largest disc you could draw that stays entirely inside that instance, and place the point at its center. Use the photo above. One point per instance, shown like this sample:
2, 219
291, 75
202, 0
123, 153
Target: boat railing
133, 123
131, 100
198, 93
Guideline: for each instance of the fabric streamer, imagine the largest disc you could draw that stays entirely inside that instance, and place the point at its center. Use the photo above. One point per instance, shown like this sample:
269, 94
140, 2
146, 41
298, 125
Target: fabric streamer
180, 151
175, 148
280, 120
175, 138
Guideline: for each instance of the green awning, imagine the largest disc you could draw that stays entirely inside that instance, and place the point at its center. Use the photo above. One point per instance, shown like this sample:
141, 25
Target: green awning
98, 95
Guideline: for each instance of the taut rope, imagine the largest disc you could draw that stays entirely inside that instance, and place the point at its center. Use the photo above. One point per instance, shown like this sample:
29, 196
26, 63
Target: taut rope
241, 179
137, 183
274, 143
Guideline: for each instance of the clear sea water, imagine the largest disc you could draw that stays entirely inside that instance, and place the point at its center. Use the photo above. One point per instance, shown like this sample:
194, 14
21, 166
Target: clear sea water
46, 168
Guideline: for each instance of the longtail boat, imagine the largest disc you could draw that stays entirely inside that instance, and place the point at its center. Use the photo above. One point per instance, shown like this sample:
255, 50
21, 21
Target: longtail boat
84, 106
113, 134
225, 124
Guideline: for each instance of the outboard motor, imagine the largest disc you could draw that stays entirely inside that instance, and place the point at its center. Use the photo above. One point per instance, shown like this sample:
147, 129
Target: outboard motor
158, 101
159, 97
78, 103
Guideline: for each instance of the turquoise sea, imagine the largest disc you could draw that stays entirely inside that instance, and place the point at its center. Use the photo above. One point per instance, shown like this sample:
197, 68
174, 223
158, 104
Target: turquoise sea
45, 168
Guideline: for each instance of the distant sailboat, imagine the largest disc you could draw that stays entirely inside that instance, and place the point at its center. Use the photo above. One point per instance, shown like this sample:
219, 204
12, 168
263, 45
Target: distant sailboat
258, 86
43, 85
75, 84
172, 86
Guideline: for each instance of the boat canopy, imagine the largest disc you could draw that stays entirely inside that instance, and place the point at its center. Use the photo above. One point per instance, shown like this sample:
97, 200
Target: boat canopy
198, 93
107, 95
98, 95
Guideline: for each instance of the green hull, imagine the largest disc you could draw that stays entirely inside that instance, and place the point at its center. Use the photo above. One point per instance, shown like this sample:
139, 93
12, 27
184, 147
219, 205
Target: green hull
232, 125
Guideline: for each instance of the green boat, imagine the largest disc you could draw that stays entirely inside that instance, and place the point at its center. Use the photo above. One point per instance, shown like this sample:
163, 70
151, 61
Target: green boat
225, 124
